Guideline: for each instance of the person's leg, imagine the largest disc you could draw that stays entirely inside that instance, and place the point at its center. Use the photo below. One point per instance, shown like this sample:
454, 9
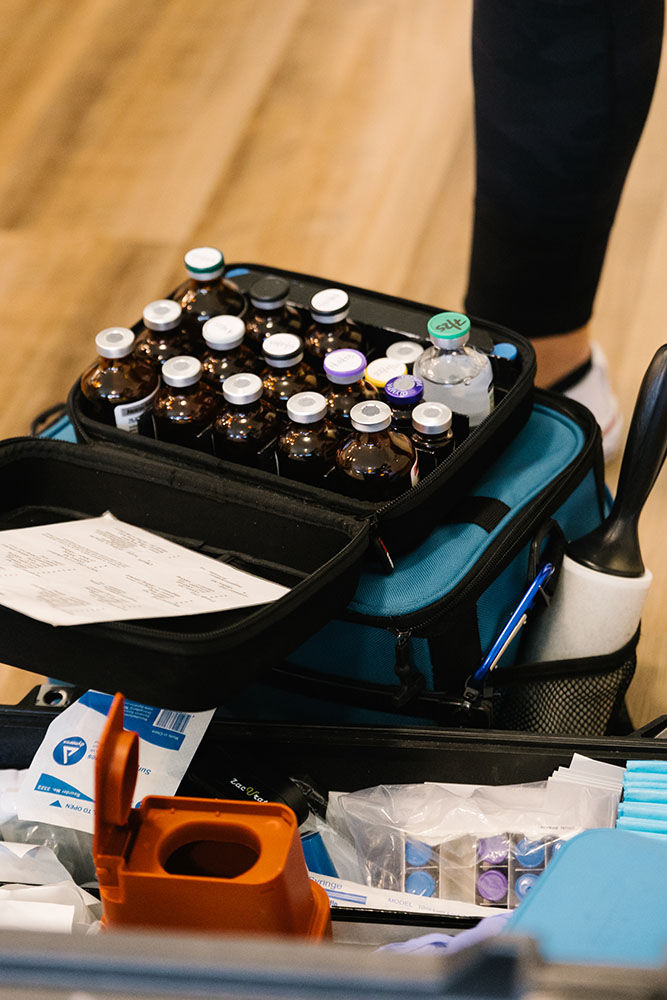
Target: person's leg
562, 89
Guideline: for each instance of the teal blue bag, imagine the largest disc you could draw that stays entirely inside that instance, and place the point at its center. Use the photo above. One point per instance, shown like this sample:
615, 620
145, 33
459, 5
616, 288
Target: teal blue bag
407, 643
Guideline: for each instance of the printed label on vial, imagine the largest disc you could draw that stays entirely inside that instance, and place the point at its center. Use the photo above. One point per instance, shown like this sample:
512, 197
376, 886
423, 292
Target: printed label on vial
128, 415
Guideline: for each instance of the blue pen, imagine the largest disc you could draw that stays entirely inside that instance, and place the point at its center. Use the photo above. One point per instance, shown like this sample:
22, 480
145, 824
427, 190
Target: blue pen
514, 624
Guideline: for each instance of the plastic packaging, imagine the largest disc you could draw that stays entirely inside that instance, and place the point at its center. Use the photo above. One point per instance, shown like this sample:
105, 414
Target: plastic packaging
485, 845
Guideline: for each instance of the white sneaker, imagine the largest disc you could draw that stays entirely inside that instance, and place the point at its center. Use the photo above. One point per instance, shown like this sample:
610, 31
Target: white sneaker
594, 391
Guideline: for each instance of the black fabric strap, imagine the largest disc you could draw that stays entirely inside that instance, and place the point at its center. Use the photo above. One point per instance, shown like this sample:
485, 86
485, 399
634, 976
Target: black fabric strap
456, 652
486, 512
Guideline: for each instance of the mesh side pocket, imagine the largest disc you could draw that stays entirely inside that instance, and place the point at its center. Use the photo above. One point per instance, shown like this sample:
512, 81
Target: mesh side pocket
570, 697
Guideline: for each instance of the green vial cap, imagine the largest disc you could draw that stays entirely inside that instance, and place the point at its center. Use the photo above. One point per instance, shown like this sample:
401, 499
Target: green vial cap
448, 326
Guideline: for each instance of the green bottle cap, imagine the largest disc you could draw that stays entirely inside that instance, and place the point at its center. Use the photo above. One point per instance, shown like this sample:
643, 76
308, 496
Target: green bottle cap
448, 326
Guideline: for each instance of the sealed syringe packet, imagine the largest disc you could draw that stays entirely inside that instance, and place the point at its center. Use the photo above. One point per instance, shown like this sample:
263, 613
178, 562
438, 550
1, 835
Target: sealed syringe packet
59, 786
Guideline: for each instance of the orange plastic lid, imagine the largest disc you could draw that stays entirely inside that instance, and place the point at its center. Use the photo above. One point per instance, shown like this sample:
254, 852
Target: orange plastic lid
116, 770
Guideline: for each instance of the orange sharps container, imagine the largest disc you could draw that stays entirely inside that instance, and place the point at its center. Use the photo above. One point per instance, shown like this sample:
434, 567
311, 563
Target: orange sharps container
196, 864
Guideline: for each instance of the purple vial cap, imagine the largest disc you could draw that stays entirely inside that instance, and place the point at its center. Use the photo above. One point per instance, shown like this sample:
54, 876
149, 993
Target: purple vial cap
492, 885
493, 850
404, 390
344, 366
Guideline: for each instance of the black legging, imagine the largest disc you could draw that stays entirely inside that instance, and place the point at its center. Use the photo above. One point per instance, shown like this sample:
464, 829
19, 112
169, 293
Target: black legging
562, 90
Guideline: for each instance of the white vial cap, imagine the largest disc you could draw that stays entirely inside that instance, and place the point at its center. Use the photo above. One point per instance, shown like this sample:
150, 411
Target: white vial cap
181, 371
114, 342
330, 305
381, 370
370, 416
221, 333
281, 350
306, 407
163, 314
406, 351
431, 418
204, 262
245, 387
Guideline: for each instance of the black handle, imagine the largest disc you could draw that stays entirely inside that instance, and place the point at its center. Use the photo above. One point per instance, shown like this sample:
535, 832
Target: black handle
614, 546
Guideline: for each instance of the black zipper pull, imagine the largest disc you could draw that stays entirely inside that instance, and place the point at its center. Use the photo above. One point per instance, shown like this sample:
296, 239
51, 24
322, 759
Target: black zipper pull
411, 682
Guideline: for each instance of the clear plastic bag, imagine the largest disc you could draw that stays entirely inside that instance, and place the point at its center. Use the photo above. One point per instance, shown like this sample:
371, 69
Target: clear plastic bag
478, 844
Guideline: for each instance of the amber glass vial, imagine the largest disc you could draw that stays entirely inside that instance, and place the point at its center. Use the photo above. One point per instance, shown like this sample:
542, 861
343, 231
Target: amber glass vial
208, 292
185, 406
307, 446
120, 387
246, 425
375, 463
226, 354
269, 311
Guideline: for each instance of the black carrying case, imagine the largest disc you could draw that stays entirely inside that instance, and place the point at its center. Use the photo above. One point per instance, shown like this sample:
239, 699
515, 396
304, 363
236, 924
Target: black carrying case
195, 661
396, 525
309, 538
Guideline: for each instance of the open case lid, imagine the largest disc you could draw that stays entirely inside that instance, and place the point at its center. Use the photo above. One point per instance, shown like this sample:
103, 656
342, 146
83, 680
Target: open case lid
190, 662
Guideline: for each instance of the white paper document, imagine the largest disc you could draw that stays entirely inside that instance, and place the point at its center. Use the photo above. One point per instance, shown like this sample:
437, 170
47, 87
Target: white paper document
101, 569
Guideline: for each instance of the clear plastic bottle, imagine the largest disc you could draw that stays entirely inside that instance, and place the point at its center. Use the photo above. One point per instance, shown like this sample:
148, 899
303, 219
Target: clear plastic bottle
163, 336
246, 425
269, 312
330, 328
403, 393
454, 372
286, 373
225, 353
208, 292
432, 435
381, 370
406, 351
119, 388
375, 463
344, 370
307, 446
185, 406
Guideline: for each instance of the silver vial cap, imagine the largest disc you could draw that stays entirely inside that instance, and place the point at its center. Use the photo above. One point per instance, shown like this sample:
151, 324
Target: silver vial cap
244, 387
114, 342
163, 314
181, 371
306, 407
431, 418
370, 416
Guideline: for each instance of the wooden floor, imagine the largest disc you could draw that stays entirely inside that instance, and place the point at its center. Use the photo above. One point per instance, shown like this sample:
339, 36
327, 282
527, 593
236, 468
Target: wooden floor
332, 136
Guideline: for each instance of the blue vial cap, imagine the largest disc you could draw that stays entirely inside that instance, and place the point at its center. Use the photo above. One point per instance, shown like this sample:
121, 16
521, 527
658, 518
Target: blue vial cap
417, 853
505, 350
530, 853
524, 884
420, 883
